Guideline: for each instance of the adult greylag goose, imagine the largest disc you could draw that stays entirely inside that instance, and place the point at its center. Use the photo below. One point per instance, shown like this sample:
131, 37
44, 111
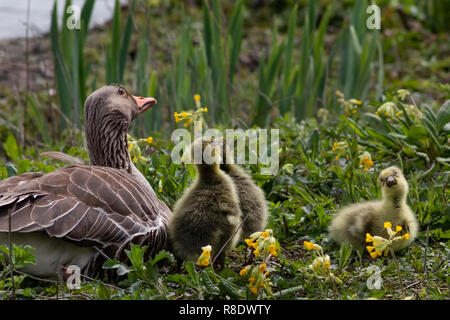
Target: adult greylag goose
73, 213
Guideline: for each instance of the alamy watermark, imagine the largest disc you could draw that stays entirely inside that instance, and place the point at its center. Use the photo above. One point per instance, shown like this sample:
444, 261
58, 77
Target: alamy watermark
253, 146
374, 281
74, 20
374, 20
73, 282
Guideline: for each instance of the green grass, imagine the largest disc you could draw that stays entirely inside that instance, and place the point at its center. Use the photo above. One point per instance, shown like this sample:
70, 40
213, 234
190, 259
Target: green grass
303, 197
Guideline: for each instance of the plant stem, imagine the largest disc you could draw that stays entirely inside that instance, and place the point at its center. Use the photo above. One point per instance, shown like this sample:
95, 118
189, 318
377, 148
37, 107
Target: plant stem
398, 271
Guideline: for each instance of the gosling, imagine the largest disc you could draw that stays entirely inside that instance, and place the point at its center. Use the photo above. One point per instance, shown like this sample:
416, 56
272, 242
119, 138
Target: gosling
251, 197
353, 222
208, 213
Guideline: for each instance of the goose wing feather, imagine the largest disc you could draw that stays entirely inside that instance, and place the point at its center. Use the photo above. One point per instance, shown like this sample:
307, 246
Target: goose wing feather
104, 205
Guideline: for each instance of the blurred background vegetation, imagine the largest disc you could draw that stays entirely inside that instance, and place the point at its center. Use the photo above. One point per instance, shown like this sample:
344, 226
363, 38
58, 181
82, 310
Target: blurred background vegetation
251, 61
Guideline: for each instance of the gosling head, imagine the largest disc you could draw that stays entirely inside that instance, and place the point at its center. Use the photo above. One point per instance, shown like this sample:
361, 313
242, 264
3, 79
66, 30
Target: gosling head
206, 154
393, 184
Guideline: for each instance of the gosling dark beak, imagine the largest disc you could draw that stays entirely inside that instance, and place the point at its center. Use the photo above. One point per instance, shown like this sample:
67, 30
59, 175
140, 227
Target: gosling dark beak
391, 181
145, 103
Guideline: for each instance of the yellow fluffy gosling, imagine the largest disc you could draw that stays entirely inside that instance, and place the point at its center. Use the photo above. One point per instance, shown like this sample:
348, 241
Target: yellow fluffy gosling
353, 222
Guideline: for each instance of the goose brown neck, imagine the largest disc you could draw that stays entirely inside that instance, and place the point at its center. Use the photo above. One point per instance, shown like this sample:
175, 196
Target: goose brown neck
107, 141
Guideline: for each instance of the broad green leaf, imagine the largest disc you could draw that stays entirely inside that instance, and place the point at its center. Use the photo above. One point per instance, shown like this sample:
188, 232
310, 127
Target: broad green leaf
11, 148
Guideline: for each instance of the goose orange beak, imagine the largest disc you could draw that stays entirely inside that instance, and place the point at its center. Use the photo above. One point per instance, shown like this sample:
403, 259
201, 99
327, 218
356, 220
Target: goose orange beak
145, 103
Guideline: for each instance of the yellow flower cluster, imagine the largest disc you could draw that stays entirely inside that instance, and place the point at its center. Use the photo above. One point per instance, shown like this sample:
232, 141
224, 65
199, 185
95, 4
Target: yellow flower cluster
387, 110
135, 149
340, 148
190, 116
321, 263
350, 106
264, 245
390, 110
205, 258
381, 245
263, 242
366, 160
257, 277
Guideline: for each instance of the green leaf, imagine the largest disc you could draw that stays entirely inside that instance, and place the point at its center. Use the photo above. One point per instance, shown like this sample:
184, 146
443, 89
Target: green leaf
417, 132
443, 117
136, 256
162, 255
103, 292
230, 289
11, 148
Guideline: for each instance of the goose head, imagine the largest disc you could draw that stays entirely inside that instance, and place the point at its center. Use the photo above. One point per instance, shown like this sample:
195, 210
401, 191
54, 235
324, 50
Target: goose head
108, 113
393, 184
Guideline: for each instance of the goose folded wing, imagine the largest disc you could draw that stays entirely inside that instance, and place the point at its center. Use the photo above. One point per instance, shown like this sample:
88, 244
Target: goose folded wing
84, 203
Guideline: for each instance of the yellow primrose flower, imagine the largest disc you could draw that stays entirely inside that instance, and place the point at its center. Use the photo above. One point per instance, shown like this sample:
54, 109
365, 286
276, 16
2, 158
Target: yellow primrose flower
311, 246
197, 97
243, 272
130, 146
252, 280
380, 243
402, 93
135, 159
265, 234
374, 254
308, 245
249, 242
185, 114
369, 238
256, 252
160, 190
273, 250
262, 267
205, 109
254, 290
405, 236
398, 228
204, 260
370, 248
149, 140
387, 225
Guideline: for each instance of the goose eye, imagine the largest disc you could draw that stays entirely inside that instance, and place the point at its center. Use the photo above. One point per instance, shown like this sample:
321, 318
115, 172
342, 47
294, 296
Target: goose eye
121, 91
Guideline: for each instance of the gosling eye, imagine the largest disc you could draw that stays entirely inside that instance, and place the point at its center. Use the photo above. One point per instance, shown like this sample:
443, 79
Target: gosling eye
121, 91
395, 173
